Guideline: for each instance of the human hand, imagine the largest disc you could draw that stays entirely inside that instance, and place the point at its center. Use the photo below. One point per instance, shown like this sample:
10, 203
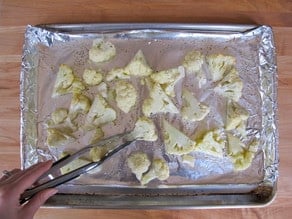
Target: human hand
14, 184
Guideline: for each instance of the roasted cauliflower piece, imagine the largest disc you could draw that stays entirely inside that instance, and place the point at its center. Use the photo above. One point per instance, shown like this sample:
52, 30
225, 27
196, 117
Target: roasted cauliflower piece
192, 109
159, 169
168, 79
125, 95
176, 142
101, 51
56, 137
235, 145
64, 80
236, 117
58, 116
230, 86
144, 130
92, 77
79, 162
220, 65
166, 76
100, 112
61, 121
158, 102
97, 135
77, 86
202, 78
240, 155
138, 66
211, 143
65, 77
103, 89
80, 104
193, 61
139, 163
96, 153
117, 73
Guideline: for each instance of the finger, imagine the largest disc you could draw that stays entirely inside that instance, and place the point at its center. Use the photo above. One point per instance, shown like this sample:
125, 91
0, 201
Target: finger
19, 174
30, 208
29, 176
13, 177
14, 171
5, 177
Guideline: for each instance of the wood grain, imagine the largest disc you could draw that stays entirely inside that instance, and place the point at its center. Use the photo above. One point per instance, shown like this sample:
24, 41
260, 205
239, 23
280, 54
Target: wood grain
244, 11
16, 14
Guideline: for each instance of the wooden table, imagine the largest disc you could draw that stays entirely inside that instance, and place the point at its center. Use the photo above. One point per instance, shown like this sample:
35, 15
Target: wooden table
16, 14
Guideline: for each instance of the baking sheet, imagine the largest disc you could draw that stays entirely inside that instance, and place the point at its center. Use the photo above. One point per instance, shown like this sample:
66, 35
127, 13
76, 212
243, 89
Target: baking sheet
164, 45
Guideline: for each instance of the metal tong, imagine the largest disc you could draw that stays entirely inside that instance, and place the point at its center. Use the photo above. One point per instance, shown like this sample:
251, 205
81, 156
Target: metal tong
29, 193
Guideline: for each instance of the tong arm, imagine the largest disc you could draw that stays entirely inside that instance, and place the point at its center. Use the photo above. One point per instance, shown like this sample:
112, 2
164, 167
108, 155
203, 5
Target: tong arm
29, 193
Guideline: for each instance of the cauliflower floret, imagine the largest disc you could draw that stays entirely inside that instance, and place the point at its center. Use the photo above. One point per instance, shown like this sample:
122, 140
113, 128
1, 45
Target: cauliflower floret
64, 80
175, 141
241, 128
102, 89
126, 95
100, 112
144, 130
138, 66
73, 165
168, 79
211, 143
101, 51
80, 104
236, 117
242, 160
230, 86
193, 61
139, 163
158, 102
96, 153
92, 77
219, 65
159, 169
61, 121
202, 78
55, 137
166, 76
65, 77
235, 146
188, 159
192, 109
117, 73
240, 155
97, 135
58, 116
77, 86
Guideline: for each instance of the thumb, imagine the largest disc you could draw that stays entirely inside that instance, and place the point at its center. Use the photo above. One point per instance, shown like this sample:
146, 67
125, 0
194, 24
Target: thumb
30, 208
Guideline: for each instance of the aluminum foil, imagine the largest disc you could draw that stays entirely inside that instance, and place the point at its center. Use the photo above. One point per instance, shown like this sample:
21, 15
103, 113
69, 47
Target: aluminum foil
164, 46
